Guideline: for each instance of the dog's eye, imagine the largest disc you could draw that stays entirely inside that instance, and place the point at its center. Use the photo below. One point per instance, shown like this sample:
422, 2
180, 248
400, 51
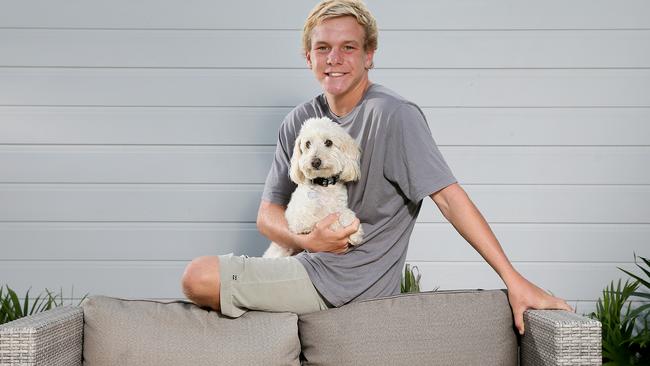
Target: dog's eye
307, 144
328, 143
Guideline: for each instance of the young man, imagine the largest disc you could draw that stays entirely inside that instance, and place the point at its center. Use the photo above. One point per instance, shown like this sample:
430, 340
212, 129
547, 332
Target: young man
400, 166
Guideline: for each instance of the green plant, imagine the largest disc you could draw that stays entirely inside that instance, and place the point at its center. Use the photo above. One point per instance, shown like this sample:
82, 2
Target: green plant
625, 334
11, 307
644, 309
410, 282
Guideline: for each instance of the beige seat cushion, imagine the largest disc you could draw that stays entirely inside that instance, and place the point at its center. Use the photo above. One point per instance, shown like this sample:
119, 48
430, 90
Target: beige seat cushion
430, 328
142, 332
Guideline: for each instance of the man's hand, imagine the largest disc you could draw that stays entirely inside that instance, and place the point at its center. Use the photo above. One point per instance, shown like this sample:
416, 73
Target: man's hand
323, 239
524, 295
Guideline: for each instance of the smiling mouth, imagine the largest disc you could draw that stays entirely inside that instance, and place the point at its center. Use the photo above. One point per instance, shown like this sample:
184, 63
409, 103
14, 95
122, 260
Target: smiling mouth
335, 74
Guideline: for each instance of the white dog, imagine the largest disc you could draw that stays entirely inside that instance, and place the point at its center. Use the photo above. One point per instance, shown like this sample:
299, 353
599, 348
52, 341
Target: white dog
324, 158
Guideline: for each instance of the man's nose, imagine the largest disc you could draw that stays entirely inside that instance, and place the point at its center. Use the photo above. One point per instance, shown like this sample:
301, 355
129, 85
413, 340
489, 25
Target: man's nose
316, 163
333, 57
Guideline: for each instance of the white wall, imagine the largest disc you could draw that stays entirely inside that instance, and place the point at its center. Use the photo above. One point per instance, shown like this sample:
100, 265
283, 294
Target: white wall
135, 136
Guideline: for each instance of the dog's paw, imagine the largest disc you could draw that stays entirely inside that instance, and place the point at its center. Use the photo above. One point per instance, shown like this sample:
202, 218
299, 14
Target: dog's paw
357, 238
346, 217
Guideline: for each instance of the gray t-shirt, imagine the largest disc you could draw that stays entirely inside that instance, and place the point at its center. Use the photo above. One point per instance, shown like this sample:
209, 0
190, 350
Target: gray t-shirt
400, 165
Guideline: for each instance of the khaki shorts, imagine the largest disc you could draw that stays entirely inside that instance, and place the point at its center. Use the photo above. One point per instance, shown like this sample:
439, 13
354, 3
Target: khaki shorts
266, 284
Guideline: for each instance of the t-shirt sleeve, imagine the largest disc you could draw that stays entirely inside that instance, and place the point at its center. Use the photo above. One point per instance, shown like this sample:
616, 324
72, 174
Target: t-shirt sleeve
413, 161
278, 186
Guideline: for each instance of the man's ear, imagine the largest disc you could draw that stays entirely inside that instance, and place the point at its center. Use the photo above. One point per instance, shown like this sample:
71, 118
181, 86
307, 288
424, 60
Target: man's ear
370, 63
295, 173
308, 58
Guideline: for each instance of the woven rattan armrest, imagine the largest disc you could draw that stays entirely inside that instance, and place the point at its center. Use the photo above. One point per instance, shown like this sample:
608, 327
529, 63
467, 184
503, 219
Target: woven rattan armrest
53, 337
558, 337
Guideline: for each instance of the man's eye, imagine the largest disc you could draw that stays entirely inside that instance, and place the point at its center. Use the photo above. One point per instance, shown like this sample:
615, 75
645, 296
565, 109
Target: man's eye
307, 144
321, 48
328, 143
348, 48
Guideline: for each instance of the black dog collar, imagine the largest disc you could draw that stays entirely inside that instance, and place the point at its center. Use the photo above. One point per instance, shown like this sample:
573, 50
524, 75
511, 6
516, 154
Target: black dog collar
325, 181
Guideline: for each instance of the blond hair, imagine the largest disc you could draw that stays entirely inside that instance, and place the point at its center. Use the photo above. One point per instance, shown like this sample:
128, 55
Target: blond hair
338, 8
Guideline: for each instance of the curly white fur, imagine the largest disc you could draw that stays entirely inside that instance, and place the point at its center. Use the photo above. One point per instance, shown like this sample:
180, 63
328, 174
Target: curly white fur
322, 150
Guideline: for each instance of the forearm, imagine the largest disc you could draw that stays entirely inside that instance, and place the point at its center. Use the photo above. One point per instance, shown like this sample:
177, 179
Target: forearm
272, 223
471, 225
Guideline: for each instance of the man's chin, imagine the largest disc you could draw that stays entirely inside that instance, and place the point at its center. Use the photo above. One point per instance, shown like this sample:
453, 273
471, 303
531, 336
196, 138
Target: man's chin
334, 90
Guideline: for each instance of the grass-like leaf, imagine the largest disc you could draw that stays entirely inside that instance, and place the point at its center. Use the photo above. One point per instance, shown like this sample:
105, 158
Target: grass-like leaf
621, 346
11, 307
617, 329
15, 303
643, 281
410, 282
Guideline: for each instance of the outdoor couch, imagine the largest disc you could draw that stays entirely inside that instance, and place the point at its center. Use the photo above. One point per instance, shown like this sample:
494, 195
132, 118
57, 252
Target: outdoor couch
463, 327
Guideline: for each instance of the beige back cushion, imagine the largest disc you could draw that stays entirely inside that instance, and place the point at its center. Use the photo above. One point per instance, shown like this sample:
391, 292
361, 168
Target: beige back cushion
431, 328
143, 333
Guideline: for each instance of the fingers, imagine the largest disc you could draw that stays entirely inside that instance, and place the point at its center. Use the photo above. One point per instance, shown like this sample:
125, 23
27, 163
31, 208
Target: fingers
329, 220
519, 321
563, 305
326, 223
352, 228
343, 232
553, 302
343, 249
519, 314
334, 241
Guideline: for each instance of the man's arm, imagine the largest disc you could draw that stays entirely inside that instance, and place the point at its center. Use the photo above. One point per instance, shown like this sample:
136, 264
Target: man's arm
272, 223
456, 206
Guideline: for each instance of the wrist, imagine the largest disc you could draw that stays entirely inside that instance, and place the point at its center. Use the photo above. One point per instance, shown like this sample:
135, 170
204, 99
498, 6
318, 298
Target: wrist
512, 278
302, 241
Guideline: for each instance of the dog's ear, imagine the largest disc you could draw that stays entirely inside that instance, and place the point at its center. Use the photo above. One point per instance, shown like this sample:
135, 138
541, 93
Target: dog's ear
352, 152
295, 173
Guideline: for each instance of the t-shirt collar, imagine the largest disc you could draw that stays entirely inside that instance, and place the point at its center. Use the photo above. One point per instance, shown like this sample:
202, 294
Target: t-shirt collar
350, 115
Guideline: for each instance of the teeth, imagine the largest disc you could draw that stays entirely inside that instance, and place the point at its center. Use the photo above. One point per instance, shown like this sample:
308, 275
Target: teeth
336, 74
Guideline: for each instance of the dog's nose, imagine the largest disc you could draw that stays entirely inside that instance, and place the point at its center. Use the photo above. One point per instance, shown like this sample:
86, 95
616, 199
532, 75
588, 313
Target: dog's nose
316, 163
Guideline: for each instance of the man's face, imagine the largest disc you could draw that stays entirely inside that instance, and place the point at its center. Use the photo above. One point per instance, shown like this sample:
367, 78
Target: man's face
337, 57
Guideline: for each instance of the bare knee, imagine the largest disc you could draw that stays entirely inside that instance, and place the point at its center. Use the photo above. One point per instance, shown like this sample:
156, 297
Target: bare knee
201, 282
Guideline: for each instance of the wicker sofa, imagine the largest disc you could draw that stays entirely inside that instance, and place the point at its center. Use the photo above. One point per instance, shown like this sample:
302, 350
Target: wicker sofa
464, 327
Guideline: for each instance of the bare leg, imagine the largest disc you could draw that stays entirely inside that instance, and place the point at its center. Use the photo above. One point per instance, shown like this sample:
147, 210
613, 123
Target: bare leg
201, 282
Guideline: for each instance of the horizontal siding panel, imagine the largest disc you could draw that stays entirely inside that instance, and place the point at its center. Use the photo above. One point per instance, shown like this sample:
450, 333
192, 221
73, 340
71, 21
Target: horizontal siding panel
142, 126
426, 49
232, 203
510, 14
535, 243
152, 14
549, 165
250, 164
418, 14
249, 126
539, 126
429, 241
555, 204
513, 49
122, 279
519, 88
129, 164
575, 281
263, 88
145, 48
128, 241
183, 203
